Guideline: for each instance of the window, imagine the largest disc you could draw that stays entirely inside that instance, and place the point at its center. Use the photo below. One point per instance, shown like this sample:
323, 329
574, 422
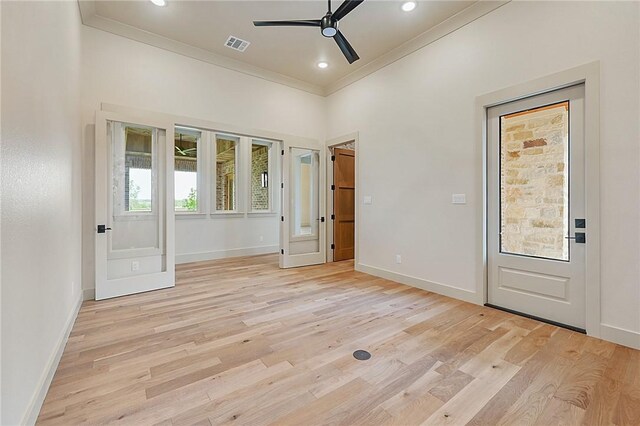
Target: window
187, 145
260, 175
226, 172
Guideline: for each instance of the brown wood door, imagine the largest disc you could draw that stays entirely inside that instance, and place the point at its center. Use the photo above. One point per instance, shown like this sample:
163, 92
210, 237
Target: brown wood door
344, 206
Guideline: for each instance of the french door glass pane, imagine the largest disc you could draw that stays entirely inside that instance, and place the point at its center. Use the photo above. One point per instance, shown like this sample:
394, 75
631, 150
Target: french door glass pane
305, 195
534, 182
134, 177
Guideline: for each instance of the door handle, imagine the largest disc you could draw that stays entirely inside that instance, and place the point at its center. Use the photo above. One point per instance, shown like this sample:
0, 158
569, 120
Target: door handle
580, 237
102, 229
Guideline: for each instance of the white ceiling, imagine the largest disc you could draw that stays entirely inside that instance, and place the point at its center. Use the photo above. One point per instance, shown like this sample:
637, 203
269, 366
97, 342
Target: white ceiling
288, 55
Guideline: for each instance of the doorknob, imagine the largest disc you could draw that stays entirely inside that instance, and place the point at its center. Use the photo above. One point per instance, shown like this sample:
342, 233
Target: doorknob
580, 237
102, 229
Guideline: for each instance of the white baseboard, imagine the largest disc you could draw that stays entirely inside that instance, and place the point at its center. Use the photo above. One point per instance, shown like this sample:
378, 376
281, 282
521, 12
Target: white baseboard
89, 294
445, 290
620, 336
37, 400
222, 254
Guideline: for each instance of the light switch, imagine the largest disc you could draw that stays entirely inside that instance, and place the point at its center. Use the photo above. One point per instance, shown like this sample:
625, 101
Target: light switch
458, 198
368, 199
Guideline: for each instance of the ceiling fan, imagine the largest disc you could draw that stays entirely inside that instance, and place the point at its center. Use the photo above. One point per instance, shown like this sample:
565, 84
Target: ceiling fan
328, 25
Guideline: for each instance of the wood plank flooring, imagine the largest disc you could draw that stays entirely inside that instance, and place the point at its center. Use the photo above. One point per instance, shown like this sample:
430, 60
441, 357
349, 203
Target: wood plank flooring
240, 341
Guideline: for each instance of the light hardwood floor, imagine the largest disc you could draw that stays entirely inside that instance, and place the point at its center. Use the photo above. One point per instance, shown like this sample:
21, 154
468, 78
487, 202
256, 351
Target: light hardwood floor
242, 342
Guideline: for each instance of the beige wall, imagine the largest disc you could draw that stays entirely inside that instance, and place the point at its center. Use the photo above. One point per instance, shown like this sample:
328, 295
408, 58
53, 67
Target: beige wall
416, 120
41, 196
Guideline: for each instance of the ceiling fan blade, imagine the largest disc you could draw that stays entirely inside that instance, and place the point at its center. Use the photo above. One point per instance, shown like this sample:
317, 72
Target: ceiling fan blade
346, 7
300, 23
346, 48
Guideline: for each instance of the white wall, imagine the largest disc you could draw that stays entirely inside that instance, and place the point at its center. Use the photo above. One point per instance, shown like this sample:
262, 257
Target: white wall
120, 71
418, 141
41, 196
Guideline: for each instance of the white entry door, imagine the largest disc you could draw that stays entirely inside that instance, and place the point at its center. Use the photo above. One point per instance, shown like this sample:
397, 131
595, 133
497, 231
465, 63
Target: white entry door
536, 206
134, 243
302, 226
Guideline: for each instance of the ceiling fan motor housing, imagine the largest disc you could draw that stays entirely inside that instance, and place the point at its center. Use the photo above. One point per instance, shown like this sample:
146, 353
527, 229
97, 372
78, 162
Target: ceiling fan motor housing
328, 25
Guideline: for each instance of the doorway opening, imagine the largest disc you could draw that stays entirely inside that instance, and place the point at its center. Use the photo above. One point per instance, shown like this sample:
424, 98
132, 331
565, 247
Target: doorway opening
341, 201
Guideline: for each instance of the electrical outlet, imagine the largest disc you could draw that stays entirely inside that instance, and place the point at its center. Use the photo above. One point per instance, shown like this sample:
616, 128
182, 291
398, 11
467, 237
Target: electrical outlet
135, 265
398, 258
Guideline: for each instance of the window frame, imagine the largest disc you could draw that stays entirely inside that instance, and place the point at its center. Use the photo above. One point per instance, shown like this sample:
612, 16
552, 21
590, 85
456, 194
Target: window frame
270, 175
238, 210
200, 172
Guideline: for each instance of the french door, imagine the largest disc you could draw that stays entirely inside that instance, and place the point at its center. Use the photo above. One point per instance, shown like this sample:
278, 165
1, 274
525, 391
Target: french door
134, 211
536, 206
302, 225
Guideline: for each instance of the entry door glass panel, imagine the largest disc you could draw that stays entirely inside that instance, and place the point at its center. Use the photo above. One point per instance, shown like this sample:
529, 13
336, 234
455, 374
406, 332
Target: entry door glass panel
534, 182
305, 200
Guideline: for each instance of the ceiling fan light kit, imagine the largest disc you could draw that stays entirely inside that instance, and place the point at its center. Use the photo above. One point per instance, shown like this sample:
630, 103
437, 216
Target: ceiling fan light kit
328, 25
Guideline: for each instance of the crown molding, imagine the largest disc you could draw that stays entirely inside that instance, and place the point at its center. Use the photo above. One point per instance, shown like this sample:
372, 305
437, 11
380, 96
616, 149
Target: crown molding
91, 19
477, 10
457, 21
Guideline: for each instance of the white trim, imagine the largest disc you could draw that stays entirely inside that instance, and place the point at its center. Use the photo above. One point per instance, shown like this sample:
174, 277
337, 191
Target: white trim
34, 407
453, 23
223, 254
620, 336
589, 74
334, 143
90, 19
88, 294
446, 290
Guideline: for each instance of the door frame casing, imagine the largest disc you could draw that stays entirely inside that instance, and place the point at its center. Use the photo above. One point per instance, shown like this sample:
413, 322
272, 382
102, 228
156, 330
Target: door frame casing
589, 75
335, 143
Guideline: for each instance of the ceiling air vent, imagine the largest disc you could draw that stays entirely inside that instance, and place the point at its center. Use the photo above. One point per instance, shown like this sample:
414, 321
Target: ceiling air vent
237, 44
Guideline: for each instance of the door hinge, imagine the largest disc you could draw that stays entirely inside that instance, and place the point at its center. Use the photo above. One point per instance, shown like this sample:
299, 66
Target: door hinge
281, 251
333, 158
282, 185
333, 246
333, 187
333, 217
282, 218
322, 219
282, 152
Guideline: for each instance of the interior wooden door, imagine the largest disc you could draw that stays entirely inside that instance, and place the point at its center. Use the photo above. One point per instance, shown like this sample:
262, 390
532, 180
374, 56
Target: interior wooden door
344, 207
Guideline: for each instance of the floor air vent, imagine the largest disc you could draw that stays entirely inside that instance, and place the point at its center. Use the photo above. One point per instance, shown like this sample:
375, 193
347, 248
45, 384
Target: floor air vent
237, 44
361, 355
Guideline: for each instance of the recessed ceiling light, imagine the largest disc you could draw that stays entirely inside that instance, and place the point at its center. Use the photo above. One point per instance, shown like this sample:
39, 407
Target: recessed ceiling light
407, 6
159, 2
322, 64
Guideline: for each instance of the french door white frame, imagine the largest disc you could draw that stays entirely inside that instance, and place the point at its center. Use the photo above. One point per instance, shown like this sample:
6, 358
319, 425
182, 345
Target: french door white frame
287, 260
107, 288
589, 75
